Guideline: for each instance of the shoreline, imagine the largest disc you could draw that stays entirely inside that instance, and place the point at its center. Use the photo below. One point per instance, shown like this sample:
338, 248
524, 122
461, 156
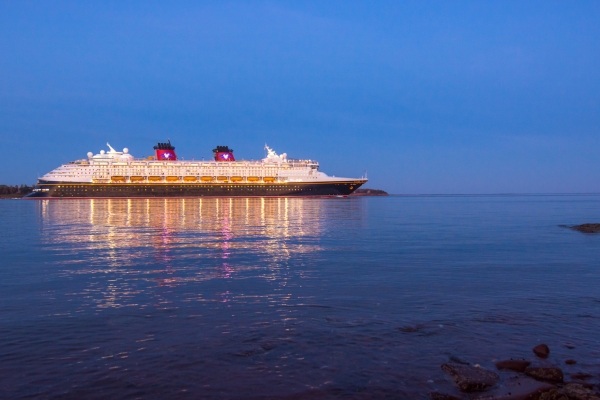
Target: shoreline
533, 377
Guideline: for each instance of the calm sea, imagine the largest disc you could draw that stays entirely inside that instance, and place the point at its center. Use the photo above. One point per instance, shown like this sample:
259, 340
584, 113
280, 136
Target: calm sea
289, 298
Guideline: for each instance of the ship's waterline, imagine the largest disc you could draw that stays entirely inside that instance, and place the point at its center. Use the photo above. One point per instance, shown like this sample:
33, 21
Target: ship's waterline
119, 174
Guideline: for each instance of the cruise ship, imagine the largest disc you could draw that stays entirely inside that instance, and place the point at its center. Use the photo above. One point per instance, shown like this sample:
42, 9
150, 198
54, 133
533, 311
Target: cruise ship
117, 174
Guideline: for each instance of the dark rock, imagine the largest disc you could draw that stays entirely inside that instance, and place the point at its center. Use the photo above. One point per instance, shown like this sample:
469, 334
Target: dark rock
408, 329
267, 346
570, 362
546, 374
587, 228
553, 394
574, 391
513, 365
571, 391
518, 388
541, 350
581, 376
250, 352
584, 384
569, 346
442, 396
470, 379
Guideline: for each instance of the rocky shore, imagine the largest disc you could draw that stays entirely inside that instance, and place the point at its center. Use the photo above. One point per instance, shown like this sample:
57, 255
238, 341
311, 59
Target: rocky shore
528, 379
369, 192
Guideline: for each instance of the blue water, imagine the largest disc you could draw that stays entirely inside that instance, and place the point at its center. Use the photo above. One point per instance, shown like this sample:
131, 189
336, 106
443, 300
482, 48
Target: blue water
289, 298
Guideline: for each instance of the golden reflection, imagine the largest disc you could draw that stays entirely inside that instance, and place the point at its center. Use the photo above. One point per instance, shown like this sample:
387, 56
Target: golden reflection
170, 242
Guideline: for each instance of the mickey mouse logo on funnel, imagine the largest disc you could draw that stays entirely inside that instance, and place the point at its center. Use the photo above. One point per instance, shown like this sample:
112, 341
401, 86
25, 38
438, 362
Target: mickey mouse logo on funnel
165, 151
223, 153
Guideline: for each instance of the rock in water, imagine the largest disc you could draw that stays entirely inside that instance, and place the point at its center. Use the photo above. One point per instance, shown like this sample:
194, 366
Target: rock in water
586, 385
470, 379
587, 228
578, 392
581, 376
541, 350
513, 365
518, 388
546, 374
570, 362
553, 394
572, 391
267, 346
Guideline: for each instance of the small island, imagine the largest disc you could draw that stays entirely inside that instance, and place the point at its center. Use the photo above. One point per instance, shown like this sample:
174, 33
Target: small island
369, 192
587, 228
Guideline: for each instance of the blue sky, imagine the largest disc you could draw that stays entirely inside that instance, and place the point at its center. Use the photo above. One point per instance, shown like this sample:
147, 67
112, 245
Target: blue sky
429, 97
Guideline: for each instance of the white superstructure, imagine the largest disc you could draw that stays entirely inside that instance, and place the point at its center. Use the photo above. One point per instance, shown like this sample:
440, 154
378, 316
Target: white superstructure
122, 167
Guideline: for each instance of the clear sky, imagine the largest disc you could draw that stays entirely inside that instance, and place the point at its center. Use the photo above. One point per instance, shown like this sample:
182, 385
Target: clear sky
428, 96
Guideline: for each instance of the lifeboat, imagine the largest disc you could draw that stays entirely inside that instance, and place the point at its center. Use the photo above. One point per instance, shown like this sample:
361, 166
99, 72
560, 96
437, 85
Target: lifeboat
119, 179
172, 179
154, 178
136, 179
222, 178
253, 179
236, 179
207, 179
190, 179
269, 179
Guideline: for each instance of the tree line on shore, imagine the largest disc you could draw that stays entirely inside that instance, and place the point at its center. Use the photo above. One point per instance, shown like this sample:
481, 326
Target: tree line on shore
15, 190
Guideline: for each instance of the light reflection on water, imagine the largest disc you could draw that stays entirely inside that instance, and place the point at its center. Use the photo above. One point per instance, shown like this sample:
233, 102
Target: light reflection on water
177, 241
243, 298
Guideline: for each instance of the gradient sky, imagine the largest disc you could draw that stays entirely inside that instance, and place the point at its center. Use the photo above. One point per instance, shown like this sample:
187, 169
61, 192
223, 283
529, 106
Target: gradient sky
428, 96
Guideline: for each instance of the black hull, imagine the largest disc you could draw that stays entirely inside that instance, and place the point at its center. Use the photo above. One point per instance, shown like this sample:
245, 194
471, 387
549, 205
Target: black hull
68, 190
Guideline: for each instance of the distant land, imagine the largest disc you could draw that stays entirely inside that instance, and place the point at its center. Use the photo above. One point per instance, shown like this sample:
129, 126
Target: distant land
10, 192
369, 192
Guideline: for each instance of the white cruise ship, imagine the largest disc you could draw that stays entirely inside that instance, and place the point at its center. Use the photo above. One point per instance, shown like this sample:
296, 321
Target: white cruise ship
117, 174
